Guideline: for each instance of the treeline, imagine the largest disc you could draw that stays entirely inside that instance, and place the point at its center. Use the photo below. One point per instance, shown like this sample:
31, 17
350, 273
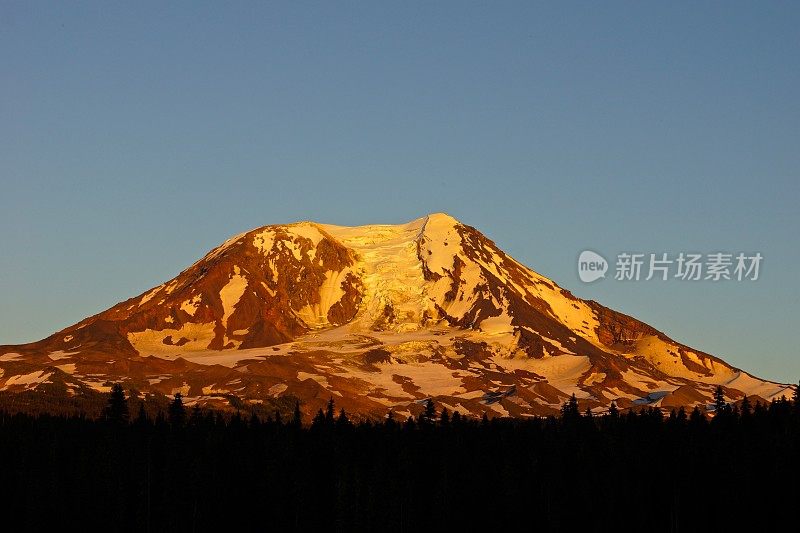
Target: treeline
191, 470
56, 399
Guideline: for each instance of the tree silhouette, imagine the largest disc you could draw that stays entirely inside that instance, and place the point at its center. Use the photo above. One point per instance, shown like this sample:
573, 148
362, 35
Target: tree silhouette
796, 398
342, 421
428, 414
196, 418
746, 408
255, 420
697, 418
720, 405
524, 465
329, 411
297, 416
613, 412
570, 411
141, 416
319, 419
177, 412
117, 408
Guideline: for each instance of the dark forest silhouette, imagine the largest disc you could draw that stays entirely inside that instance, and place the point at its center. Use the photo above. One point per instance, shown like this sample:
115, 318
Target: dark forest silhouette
185, 469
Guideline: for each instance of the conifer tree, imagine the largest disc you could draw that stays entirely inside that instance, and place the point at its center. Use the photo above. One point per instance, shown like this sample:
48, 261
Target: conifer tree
177, 412
570, 410
329, 411
197, 416
697, 417
430, 411
745, 409
319, 419
141, 416
342, 420
428, 414
297, 416
117, 408
720, 405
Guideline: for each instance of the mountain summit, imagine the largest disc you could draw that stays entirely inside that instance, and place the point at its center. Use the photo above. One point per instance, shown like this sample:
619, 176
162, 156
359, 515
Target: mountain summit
380, 318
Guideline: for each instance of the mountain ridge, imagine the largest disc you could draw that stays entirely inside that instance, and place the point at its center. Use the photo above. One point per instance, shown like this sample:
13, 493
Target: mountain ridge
381, 317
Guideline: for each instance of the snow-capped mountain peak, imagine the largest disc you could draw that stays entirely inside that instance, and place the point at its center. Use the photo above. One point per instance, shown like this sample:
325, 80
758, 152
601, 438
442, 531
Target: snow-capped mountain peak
379, 316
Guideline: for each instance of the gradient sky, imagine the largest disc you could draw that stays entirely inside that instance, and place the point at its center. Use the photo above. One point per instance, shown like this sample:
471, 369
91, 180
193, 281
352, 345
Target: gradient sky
134, 138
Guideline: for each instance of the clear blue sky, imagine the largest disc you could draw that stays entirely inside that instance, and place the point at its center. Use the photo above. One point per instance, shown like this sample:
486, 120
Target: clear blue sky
134, 138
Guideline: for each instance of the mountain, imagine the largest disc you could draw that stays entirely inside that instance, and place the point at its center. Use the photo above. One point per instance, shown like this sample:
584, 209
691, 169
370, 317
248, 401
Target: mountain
379, 318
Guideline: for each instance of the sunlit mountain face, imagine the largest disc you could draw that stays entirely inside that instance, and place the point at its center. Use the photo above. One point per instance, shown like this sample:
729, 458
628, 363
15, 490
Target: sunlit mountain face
380, 318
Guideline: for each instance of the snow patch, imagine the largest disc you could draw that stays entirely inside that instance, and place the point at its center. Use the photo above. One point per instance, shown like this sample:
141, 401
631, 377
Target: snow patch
594, 377
497, 325
147, 297
562, 372
69, 368
307, 230
433, 379
190, 306
322, 380
666, 357
27, 380
277, 389
60, 354
750, 385
263, 241
231, 293
151, 341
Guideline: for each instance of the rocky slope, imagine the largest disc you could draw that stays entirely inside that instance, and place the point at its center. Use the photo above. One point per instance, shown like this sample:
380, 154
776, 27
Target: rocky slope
379, 318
